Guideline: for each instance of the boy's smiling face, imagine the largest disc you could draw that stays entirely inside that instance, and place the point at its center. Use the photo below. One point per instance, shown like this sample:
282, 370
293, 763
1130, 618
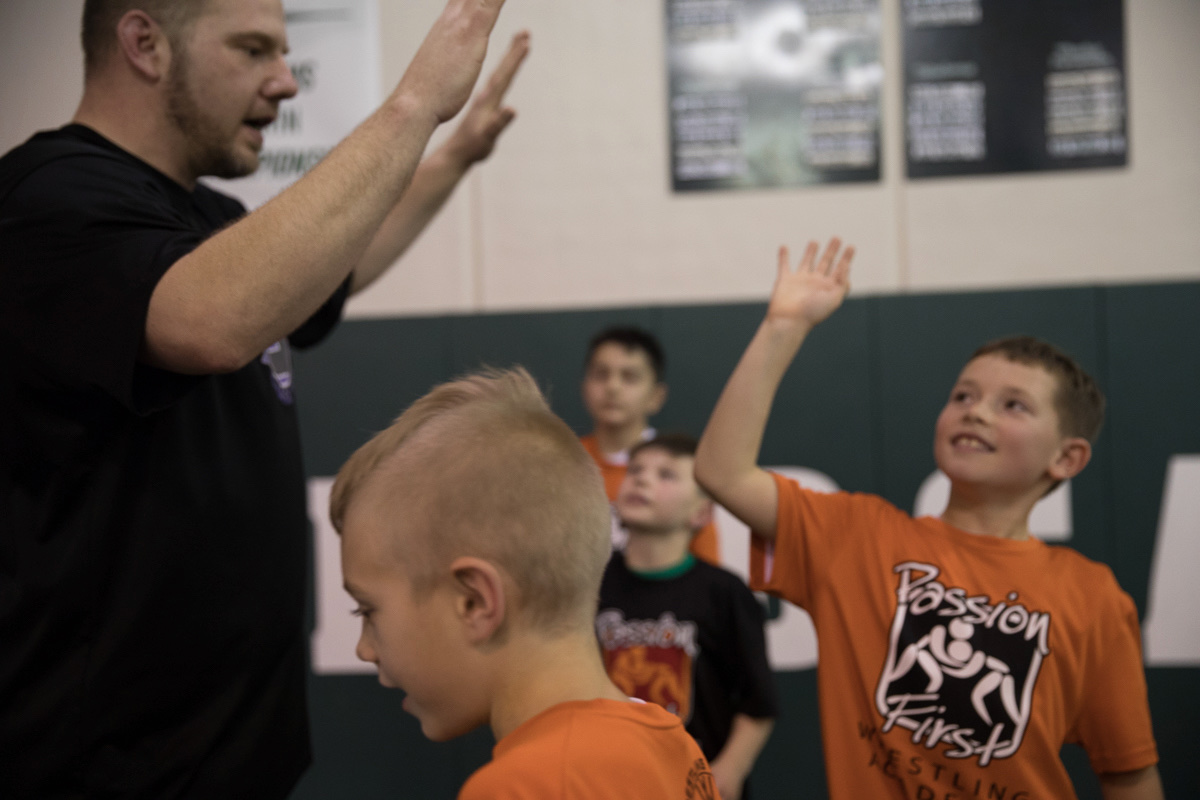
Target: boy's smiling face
659, 493
1000, 428
620, 387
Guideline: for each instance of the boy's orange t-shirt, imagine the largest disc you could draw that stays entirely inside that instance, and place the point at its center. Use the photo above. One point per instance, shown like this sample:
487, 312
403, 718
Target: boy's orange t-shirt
953, 664
595, 749
704, 545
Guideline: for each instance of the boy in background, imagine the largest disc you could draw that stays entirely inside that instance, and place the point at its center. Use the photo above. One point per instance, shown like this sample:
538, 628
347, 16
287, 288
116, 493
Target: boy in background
622, 388
957, 654
681, 633
474, 536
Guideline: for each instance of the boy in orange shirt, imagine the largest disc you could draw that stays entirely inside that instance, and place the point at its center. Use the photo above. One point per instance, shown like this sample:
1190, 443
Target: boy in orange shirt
622, 388
474, 536
957, 654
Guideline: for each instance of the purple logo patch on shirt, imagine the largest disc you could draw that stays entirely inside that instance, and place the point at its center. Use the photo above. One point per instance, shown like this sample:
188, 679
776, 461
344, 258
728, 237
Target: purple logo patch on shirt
278, 358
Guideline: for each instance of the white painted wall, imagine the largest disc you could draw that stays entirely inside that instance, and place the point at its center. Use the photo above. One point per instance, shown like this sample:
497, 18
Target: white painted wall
575, 208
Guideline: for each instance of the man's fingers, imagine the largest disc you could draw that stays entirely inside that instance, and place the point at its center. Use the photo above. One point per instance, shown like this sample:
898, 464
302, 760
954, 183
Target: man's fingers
502, 78
500, 121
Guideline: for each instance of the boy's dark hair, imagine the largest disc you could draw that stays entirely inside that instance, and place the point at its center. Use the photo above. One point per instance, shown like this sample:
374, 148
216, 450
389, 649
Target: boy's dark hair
630, 338
1079, 401
677, 444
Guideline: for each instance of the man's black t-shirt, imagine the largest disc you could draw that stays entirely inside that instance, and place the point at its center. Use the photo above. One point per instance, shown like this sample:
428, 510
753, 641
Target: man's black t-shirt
690, 640
152, 525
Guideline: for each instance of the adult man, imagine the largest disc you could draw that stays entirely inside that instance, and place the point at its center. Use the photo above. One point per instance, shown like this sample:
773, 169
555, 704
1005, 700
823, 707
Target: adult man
151, 495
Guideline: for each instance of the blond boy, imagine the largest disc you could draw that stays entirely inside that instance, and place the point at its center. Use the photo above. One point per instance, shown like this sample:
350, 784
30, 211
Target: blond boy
957, 654
474, 535
679, 632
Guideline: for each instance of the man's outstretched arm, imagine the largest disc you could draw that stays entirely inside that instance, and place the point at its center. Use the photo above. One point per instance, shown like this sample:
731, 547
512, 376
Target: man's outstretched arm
727, 456
439, 173
255, 282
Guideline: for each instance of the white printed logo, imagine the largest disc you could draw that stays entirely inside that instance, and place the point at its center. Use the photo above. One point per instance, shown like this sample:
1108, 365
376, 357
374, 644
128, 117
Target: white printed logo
960, 670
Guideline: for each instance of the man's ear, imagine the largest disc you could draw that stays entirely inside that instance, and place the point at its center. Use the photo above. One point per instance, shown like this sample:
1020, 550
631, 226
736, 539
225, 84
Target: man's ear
144, 44
480, 602
1072, 457
658, 399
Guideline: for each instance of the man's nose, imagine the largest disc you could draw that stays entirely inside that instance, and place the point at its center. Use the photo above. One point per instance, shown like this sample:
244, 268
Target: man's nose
282, 83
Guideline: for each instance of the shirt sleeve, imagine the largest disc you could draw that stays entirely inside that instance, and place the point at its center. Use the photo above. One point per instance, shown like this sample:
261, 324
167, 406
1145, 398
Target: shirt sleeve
85, 241
812, 528
1114, 724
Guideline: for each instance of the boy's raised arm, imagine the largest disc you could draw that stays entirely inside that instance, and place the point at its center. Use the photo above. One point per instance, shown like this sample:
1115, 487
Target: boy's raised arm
1142, 784
727, 457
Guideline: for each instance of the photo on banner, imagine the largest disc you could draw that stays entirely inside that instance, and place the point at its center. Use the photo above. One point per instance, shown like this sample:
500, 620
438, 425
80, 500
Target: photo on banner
994, 86
767, 93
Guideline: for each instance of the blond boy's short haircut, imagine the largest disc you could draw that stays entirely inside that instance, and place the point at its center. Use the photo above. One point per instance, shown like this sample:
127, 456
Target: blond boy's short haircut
482, 467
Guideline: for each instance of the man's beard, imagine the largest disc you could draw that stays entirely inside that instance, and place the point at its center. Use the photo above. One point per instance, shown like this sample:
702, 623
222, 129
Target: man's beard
210, 151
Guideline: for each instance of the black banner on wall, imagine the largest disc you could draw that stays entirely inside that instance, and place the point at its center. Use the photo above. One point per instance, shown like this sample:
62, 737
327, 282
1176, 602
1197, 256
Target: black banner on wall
1013, 85
773, 92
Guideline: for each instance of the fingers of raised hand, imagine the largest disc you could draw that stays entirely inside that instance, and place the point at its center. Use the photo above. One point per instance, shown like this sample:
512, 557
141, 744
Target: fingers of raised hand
841, 273
502, 78
808, 259
825, 266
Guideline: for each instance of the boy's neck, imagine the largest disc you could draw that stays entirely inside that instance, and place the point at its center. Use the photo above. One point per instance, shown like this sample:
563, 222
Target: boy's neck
618, 440
657, 551
539, 672
1001, 517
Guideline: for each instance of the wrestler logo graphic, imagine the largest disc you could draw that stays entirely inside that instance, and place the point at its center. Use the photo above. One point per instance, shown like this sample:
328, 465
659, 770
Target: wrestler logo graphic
650, 659
700, 784
960, 670
278, 359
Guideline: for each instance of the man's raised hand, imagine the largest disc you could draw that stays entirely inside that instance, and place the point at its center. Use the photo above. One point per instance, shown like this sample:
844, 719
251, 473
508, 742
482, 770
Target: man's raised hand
441, 75
814, 290
487, 116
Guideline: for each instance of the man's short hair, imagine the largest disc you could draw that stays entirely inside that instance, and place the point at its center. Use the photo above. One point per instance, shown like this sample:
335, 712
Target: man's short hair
1078, 400
483, 467
100, 17
631, 338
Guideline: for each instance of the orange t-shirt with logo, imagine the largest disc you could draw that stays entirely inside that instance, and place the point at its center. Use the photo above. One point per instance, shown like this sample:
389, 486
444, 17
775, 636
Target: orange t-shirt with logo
612, 468
953, 664
595, 749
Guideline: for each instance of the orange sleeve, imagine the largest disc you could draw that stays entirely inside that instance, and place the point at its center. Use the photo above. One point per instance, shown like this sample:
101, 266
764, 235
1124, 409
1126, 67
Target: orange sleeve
811, 529
1114, 724
780, 565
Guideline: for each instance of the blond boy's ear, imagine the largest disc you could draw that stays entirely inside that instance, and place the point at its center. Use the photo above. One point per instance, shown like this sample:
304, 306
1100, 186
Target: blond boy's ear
1071, 458
480, 602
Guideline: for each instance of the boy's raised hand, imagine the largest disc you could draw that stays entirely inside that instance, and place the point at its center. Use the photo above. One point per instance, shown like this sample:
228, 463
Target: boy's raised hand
814, 290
